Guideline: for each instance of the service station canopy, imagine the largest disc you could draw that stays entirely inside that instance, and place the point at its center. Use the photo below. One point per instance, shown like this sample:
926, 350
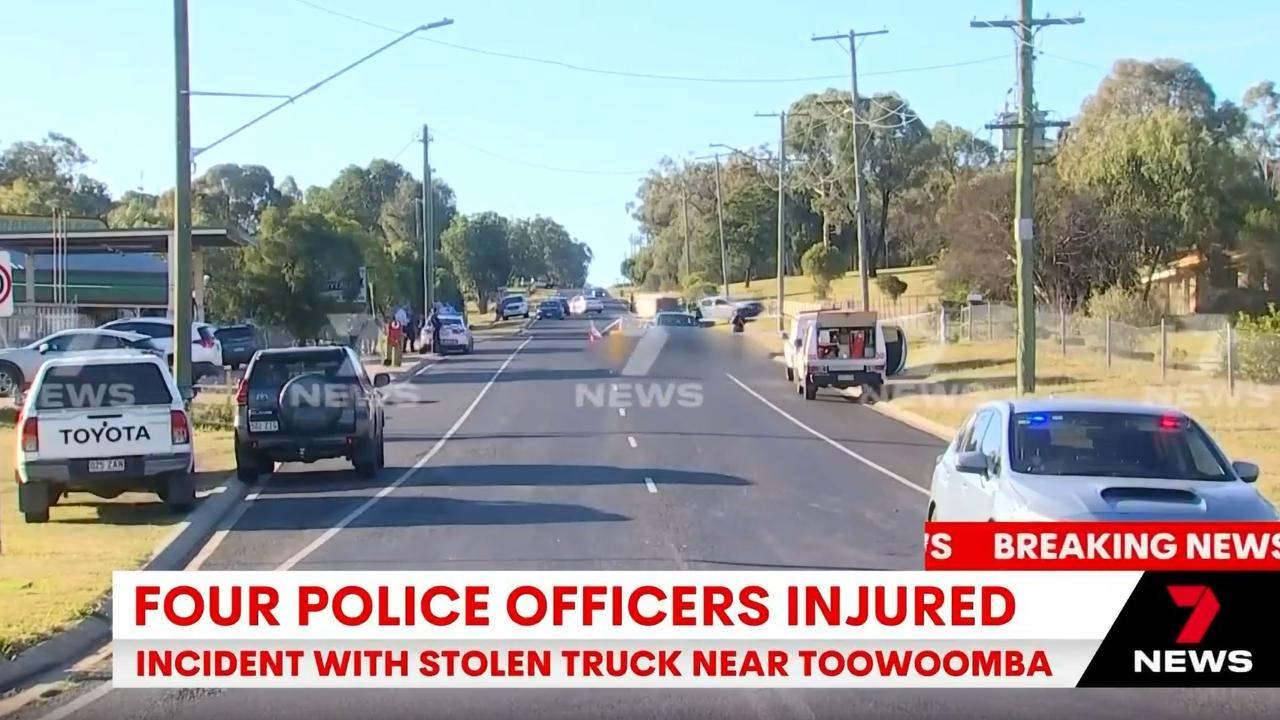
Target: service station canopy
120, 240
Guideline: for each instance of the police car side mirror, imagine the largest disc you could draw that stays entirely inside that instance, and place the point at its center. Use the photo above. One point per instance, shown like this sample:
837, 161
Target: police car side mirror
381, 380
44, 348
1247, 471
973, 463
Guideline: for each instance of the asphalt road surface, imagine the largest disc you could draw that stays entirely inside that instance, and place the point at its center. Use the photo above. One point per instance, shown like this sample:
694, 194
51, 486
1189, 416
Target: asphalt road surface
505, 470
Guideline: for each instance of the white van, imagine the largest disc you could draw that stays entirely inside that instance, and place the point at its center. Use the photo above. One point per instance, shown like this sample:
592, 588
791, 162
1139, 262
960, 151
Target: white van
842, 349
103, 425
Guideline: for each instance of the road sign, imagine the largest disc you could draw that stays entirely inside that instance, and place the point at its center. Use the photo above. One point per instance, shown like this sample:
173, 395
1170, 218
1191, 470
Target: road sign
6, 286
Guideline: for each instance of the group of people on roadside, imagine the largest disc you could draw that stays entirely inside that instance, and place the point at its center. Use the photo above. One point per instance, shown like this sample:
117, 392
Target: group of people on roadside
406, 331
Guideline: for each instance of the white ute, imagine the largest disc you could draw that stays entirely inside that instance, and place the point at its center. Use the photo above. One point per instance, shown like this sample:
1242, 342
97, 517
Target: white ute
841, 349
105, 426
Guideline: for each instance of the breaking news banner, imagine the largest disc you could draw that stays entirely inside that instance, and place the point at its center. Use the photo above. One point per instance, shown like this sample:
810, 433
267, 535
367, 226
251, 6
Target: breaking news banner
780, 629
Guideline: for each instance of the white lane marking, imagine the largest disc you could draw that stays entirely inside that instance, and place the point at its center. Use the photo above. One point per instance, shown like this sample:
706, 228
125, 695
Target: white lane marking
364, 507
865, 461
646, 352
79, 703
425, 368
648, 482
622, 411
225, 526
631, 441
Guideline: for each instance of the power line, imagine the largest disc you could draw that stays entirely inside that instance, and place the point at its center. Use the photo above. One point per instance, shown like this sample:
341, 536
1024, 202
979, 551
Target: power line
406, 147
644, 75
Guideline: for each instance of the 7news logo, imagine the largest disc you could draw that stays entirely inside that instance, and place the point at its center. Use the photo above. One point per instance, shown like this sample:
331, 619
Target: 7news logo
1204, 608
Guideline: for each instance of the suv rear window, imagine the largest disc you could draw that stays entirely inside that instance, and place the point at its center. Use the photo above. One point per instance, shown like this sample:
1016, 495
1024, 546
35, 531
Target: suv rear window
512, 299
273, 371
235, 332
102, 386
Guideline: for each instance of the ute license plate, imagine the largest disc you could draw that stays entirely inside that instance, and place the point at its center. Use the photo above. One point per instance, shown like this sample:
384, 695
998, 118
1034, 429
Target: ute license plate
108, 465
849, 378
264, 426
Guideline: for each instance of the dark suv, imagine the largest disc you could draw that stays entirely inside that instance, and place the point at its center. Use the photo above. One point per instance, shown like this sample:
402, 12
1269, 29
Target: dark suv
308, 404
239, 343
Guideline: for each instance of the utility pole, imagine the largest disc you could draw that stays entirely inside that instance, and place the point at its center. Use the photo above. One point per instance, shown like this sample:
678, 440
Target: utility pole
684, 210
428, 228
180, 240
1024, 197
782, 212
860, 200
724, 263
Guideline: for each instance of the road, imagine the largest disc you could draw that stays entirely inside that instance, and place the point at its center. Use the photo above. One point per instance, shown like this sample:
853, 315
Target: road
496, 465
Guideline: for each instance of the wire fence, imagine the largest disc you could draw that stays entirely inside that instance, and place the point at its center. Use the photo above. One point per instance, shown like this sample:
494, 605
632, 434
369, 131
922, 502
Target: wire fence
1208, 347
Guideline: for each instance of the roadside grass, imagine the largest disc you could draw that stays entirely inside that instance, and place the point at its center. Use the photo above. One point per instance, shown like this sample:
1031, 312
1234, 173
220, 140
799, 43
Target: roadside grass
921, 283
55, 573
945, 384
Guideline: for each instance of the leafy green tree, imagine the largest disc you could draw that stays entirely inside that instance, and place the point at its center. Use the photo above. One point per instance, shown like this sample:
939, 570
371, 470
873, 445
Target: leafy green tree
750, 216
137, 210
300, 253
899, 151
477, 246
822, 263
40, 177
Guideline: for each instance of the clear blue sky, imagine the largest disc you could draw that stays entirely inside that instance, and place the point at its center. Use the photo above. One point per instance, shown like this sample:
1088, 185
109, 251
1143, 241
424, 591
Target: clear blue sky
102, 72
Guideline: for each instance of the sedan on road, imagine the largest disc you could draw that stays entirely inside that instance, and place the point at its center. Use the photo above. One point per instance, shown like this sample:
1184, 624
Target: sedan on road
455, 336
1073, 460
674, 319
582, 304
550, 309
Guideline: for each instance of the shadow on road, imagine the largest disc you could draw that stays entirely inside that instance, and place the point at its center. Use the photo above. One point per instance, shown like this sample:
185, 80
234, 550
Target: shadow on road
134, 508
416, 511
483, 376
796, 437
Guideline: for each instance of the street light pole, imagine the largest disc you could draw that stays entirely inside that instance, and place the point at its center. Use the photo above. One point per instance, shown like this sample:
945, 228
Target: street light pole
180, 241
724, 263
179, 259
782, 212
860, 201
428, 227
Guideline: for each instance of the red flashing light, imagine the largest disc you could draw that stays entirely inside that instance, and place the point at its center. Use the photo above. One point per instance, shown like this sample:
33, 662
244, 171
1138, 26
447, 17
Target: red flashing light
1170, 422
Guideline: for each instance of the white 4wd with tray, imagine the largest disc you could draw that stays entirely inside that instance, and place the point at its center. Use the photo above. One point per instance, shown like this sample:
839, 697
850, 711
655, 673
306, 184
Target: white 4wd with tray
841, 349
104, 425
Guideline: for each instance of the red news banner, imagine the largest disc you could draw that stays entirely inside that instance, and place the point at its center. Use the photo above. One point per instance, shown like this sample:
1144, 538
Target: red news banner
1166, 546
611, 629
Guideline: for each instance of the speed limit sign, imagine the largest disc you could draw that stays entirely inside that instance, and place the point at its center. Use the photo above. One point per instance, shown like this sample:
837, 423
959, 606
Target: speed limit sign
6, 286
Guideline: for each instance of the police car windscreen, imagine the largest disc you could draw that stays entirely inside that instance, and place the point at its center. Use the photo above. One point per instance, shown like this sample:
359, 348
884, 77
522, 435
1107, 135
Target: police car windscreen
102, 386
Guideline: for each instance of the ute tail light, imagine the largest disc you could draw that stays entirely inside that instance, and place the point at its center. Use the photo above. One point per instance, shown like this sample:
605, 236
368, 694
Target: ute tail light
31, 435
242, 391
179, 429
205, 342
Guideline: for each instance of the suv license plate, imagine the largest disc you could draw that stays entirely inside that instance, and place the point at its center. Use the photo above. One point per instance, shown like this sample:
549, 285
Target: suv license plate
264, 426
109, 465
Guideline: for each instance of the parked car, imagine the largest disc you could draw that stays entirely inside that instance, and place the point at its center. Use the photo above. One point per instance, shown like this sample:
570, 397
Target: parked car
1057, 459
18, 365
206, 351
719, 308
455, 336
583, 304
239, 343
514, 305
103, 424
551, 309
308, 404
